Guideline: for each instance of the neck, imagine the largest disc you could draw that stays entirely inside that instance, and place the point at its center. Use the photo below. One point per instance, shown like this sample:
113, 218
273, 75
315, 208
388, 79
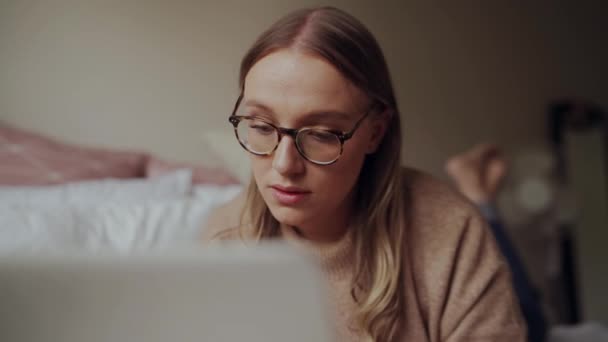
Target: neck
323, 236
325, 230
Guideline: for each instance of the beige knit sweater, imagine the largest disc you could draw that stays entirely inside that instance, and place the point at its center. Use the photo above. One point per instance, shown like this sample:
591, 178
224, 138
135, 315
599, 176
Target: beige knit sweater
457, 285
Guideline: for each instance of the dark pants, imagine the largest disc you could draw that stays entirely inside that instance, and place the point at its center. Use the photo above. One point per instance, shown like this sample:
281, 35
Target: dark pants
526, 294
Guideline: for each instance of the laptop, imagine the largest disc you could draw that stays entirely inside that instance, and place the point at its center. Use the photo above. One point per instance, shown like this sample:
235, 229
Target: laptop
218, 293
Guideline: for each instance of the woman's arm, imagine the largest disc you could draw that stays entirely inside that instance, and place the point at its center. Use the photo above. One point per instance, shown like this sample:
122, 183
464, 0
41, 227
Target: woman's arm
480, 303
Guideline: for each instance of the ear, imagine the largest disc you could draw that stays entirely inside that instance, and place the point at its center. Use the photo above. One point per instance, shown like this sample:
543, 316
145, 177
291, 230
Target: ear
379, 125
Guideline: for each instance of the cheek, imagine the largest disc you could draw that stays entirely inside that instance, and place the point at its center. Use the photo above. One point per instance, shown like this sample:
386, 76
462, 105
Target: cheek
260, 166
341, 176
353, 155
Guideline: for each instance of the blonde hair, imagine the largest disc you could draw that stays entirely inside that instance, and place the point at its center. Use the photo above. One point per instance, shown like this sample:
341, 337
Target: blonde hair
379, 229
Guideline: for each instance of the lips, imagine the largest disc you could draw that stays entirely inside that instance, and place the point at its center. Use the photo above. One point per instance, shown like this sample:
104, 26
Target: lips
289, 195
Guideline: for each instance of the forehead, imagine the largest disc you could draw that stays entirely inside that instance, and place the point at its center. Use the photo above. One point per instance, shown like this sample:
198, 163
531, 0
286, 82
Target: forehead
288, 81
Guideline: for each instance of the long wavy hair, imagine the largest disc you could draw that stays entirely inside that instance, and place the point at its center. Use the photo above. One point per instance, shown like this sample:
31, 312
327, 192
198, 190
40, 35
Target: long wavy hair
379, 222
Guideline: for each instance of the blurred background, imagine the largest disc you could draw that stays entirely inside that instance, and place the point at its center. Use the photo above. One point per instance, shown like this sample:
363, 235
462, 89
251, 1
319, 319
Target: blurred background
161, 77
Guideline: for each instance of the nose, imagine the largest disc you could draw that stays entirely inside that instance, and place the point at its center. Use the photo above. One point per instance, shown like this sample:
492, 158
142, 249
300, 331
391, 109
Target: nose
287, 160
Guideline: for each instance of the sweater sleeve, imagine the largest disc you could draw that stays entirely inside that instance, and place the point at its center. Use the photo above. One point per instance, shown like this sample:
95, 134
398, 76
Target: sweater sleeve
479, 303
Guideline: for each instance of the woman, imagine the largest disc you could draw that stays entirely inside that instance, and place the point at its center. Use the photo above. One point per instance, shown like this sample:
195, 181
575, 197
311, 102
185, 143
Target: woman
406, 258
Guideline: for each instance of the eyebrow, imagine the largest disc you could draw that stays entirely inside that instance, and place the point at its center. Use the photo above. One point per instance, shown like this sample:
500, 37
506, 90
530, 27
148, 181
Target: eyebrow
315, 115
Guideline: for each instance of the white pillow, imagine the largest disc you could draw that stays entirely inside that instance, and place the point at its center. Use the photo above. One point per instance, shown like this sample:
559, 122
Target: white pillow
216, 193
173, 185
123, 227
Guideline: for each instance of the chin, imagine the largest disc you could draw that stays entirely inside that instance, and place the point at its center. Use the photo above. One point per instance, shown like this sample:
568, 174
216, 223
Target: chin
289, 216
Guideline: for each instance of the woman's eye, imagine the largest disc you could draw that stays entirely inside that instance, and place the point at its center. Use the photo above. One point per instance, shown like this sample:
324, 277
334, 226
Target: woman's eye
322, 137
261, 128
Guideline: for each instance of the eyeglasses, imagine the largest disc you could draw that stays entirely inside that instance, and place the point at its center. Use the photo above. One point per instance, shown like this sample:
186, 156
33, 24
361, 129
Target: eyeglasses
317, 145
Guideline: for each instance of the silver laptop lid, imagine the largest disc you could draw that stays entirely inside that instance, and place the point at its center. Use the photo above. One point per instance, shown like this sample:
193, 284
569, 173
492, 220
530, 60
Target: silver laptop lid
216, 293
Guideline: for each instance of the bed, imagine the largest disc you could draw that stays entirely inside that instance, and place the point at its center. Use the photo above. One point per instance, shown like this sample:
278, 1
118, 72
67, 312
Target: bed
55, 195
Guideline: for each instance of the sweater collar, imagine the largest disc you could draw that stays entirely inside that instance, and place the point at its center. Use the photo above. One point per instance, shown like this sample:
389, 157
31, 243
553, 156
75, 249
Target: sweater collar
336, 259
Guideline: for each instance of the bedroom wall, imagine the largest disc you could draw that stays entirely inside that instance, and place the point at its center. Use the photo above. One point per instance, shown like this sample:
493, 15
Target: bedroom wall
156, 75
